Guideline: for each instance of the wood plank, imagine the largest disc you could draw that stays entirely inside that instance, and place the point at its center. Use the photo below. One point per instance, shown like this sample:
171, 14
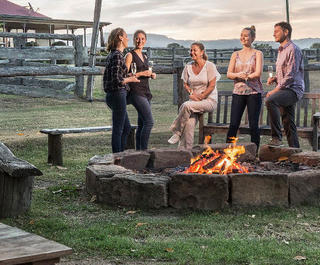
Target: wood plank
48, 70
24, 247
52, 53
76, 130
38, 36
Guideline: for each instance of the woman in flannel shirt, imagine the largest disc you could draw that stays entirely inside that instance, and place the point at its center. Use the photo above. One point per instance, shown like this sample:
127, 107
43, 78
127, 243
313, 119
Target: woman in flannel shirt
115, 83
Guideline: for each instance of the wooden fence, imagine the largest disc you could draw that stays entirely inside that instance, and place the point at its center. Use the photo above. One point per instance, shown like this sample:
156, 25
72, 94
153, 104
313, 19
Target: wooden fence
41, 61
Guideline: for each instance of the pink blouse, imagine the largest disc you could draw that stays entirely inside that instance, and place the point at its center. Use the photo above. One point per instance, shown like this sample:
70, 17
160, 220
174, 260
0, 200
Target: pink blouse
252, 86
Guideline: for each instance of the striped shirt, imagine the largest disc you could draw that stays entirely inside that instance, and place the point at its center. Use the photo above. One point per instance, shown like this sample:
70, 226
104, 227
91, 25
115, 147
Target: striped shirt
289, 69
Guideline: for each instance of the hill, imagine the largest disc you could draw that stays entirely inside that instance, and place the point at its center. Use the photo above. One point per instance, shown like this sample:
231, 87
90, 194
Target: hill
161, 41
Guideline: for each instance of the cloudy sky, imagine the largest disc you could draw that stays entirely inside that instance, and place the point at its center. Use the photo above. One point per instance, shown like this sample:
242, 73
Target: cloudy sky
191, 19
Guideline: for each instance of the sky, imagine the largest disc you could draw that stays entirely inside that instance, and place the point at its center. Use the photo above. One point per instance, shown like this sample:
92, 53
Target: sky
191, 19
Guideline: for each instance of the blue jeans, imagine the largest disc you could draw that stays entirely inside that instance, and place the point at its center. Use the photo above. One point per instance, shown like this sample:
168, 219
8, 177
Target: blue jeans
239, 103
117, 102
145, 120
283, 103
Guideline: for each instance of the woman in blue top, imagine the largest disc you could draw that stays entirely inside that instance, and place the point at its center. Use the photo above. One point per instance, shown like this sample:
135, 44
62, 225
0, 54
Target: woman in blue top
115, 83
140, 95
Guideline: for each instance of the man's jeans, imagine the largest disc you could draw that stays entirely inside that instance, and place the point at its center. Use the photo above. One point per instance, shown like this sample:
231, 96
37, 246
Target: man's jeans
283, 103
117, 101
239, 103
145, 120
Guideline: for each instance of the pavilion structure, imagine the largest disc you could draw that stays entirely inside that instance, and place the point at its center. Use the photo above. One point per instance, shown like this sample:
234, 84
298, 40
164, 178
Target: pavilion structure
18, 18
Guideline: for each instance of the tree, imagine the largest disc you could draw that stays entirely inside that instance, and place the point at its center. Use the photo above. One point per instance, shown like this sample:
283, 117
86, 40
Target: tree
315, 45
174, 45
262, 46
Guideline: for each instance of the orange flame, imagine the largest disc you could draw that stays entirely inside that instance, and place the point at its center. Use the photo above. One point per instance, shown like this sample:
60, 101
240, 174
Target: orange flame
210, 162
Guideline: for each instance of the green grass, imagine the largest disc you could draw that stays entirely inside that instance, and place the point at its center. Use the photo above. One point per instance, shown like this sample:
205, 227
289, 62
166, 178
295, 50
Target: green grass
62, 211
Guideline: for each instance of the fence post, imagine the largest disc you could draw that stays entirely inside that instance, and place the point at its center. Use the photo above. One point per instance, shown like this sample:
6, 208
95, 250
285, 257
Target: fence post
215, 56
149, 53
306, 74
180, 95
173, 53
78, 61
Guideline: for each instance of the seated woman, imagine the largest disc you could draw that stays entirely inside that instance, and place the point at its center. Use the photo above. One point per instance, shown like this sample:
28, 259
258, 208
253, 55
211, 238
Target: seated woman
245, 68
200, 77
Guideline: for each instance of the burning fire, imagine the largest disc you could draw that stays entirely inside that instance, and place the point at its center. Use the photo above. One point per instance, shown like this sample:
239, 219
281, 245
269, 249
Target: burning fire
210, 162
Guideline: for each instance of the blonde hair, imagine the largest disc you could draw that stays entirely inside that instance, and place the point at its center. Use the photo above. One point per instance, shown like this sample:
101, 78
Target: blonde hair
201, 47
113, 39
252, 31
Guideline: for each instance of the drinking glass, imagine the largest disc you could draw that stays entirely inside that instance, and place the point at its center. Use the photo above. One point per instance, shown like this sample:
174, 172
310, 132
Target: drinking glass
133, 68
150, 64
270, 71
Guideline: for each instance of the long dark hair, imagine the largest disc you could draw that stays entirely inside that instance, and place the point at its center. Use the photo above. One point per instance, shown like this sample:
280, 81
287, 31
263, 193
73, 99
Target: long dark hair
113, 39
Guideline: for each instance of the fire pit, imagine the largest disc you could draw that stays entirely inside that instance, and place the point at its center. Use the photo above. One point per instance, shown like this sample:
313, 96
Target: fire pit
218, 176
217, 162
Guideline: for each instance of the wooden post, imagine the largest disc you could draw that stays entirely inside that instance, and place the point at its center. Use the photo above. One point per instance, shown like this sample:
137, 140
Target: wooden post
55, 149
102, 42
92, 57
78, 60
181, 92
306, 75
131, 139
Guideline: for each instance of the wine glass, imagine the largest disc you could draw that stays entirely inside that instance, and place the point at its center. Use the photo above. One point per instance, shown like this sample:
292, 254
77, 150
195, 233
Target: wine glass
150, 65
270, 70
133, 68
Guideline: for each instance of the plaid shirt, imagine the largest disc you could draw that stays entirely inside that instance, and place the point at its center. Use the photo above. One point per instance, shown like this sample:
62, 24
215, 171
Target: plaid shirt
115, 72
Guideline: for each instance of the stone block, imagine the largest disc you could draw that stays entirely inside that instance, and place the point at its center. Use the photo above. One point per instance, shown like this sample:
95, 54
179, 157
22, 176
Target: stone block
134, 190
131, 159
95, 172
308, 158
107, 159
166, 158
259, 189
273, 153
305, 187
198, 191
249, 155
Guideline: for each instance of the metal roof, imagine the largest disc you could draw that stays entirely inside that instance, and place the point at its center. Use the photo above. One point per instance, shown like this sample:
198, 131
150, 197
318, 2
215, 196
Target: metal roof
9, 8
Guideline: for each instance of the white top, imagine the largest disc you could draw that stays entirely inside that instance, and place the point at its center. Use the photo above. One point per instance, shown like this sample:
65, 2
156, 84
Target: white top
199, 82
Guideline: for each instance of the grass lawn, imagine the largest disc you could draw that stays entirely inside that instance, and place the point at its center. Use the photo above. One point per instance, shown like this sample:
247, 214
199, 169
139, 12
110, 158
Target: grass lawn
61, 210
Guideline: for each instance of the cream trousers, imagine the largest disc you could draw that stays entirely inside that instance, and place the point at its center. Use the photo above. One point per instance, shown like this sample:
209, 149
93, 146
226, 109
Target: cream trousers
185, 124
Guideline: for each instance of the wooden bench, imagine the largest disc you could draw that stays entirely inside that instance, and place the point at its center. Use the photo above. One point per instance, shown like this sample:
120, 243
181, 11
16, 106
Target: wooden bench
55, 140
307, 122
20, 247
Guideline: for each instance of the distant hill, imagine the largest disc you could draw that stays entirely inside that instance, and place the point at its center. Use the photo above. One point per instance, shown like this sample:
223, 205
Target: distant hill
161, 41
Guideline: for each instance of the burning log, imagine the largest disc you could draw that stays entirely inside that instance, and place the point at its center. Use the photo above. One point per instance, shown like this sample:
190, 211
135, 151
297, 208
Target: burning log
210, 162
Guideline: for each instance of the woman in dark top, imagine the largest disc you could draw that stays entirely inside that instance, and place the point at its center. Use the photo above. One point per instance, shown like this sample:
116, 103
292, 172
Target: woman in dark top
140, 94
115, 83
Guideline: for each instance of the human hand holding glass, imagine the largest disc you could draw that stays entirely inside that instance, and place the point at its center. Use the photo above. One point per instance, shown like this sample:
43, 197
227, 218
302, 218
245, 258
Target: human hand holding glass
133, 68
270, 71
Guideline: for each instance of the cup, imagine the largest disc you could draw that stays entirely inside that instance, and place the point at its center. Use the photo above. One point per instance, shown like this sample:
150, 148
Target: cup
270, 71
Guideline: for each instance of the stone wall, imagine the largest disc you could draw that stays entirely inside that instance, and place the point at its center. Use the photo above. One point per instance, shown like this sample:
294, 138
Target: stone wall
114, 180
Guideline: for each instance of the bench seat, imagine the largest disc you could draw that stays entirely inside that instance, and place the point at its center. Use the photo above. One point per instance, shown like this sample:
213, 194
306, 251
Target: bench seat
55, 140
307, 121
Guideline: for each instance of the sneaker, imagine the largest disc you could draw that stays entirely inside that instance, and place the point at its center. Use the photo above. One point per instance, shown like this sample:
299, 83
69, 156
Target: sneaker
174, 139
275, 142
